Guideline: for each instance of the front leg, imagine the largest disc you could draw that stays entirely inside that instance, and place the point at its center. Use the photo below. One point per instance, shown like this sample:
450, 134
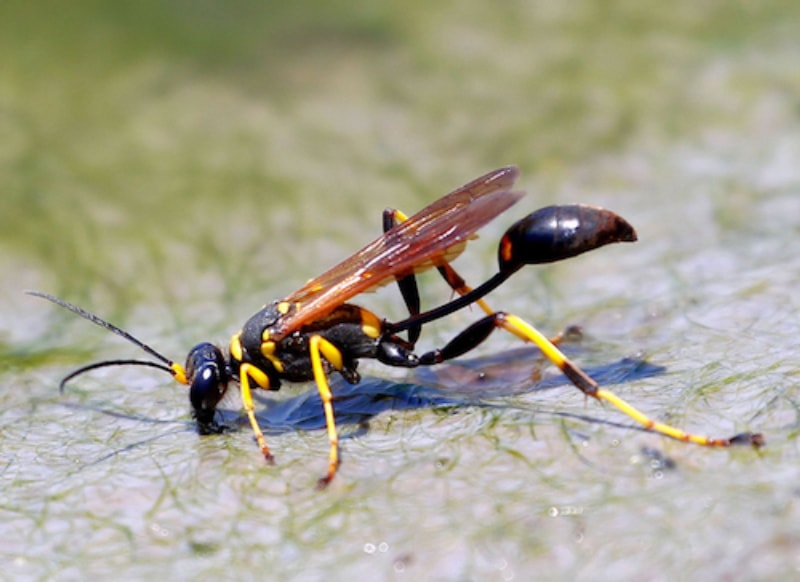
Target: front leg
246, 372
319, 347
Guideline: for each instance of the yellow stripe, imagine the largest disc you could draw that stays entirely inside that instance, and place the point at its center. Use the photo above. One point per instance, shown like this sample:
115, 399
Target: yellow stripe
400, 216
330, 351
370, 324
247, 371
236, 347
527, 332
317, 347
658, 427
179, 373
268, 351
523, 330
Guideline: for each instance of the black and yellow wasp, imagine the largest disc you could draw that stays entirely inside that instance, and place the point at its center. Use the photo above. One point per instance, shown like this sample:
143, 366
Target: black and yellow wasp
315, 332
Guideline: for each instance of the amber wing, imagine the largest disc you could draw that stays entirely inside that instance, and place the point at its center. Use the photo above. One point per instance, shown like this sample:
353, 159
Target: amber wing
433, 235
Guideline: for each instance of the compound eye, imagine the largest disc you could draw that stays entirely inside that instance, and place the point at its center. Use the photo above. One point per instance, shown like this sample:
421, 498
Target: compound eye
206, 391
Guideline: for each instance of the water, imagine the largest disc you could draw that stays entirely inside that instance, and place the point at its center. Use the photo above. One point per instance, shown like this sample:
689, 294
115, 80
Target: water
172, 170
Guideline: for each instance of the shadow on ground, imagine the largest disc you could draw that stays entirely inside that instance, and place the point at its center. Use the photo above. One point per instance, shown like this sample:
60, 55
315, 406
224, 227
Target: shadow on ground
477, 382
473, 382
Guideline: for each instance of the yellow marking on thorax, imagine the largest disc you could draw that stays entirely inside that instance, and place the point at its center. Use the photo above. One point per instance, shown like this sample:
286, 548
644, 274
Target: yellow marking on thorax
284, 307
236, 347
370, 324
268, 351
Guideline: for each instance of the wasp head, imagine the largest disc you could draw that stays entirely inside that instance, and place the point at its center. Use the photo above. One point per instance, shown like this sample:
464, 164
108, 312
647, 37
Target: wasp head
208, 375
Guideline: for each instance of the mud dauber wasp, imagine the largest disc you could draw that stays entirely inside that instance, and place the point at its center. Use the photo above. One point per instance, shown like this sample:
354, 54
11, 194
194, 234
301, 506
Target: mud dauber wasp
314, 331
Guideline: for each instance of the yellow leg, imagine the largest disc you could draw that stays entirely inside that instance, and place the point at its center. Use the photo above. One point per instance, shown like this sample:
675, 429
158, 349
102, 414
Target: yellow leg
459, 286
247, 371
319, 347
527, 332
457, 282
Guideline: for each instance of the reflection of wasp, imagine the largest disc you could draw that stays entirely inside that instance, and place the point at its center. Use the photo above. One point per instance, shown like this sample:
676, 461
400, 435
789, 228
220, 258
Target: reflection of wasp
314, 332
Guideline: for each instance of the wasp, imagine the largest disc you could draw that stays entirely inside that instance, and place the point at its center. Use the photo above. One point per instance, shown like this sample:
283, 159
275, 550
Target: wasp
316, 332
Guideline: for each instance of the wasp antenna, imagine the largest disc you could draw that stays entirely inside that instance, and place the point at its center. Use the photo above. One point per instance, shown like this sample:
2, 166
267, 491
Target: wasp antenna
108, 363
105, 325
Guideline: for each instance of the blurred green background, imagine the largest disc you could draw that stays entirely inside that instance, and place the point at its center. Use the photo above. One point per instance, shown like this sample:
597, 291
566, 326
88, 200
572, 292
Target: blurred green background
172, 166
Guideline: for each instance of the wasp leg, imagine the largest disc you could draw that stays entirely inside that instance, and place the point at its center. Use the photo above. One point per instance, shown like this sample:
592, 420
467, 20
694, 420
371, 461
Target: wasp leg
319, 347
460, 286
410, 291
479, 331
246, 372
408, 284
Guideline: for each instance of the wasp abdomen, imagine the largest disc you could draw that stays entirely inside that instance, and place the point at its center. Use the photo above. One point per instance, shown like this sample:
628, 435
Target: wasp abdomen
560, 232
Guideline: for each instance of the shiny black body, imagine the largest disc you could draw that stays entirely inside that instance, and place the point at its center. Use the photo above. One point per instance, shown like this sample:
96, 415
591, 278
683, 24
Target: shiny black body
342, 327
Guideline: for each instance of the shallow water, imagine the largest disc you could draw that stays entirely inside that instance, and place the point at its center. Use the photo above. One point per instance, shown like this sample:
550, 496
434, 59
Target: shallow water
173, 170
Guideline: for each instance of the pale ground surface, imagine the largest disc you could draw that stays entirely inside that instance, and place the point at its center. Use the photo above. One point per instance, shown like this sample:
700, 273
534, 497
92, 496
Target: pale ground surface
172, 168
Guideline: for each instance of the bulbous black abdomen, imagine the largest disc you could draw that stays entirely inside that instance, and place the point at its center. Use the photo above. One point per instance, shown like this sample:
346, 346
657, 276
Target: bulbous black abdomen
560, 232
